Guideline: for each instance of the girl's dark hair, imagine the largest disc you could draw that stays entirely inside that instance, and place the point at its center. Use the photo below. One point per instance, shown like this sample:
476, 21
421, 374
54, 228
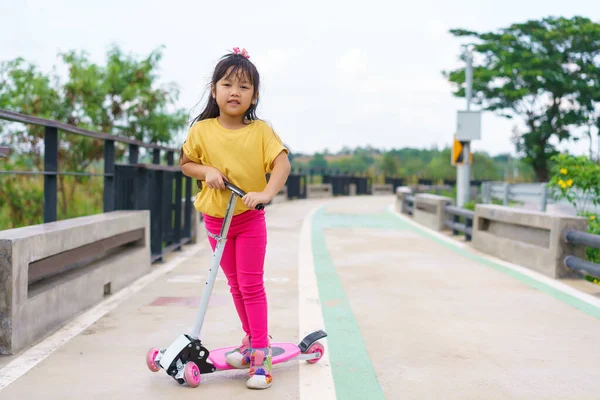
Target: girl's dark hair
240, 66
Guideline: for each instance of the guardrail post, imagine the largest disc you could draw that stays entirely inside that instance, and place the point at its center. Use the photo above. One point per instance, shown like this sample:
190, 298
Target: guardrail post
156, 214
50, 179
544, 197
156, 156
177, 205
506, 193
187, 225
486, 192
455, 219
468, 224
109, 175
134, 152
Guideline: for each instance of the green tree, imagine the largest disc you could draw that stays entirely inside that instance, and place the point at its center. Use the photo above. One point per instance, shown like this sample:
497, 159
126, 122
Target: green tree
354, 164
539, 71
389, 164
440, 166
318, 162
484, 168
122, 97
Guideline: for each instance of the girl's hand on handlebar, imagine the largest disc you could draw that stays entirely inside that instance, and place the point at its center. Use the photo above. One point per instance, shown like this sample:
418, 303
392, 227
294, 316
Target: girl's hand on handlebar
214, 179
252, 199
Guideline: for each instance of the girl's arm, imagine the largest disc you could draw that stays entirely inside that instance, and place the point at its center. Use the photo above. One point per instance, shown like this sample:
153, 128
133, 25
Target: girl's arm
192, 169
212, 176
279, 175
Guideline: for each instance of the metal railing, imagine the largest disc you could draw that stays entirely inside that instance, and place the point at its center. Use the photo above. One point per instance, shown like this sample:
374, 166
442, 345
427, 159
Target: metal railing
584, 267
455, 223
170, 211
409, 203
341, 181
527, 193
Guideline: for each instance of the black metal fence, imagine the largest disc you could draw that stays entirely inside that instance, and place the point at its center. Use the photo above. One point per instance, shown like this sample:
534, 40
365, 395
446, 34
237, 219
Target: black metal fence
395, 182
339, 183
128, 186
296, 185
157, 188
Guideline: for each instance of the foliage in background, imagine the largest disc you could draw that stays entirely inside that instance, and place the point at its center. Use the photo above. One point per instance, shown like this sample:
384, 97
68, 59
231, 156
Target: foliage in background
577, 179
593, 255
412, 164
122, 97
546, 72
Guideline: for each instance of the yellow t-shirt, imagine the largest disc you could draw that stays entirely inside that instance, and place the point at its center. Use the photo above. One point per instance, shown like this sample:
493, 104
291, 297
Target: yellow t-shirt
244, 156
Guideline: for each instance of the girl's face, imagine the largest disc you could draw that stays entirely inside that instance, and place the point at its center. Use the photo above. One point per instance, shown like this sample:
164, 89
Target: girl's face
234, 94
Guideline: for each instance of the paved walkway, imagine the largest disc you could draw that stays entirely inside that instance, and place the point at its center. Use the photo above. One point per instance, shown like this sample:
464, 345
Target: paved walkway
411, 314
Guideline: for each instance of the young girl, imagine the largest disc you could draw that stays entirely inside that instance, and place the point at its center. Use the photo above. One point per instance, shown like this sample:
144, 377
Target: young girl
228, 141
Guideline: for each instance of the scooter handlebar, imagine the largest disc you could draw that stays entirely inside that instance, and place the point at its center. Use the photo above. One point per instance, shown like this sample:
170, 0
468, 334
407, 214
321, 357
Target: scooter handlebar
239, 192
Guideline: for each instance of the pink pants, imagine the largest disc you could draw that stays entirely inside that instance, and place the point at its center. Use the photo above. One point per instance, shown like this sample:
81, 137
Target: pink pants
243, 265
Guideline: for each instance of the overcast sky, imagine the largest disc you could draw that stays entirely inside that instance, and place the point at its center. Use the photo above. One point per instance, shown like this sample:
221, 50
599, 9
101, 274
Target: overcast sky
334, 73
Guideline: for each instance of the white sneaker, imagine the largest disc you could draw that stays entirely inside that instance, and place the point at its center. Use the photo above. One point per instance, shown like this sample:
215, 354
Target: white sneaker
240, 357
260, 375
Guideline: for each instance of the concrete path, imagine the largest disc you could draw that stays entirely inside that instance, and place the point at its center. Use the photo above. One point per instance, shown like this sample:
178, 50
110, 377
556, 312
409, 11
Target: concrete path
410, 314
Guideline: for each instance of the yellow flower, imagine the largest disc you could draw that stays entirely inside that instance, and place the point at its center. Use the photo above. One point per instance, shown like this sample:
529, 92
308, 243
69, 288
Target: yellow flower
563, 171
562, 183
592, 217
570, 182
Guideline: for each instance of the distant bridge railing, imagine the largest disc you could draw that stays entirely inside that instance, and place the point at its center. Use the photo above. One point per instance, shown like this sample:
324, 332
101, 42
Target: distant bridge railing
529, 193
169, 230
553, 244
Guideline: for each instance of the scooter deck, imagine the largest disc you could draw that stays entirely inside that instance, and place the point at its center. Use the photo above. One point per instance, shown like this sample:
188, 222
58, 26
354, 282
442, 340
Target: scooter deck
280, 351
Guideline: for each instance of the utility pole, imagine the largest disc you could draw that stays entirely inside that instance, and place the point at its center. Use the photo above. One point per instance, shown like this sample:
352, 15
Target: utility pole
463, 170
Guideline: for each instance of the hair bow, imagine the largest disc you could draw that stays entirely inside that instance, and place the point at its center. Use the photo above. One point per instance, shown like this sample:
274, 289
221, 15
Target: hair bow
243, 52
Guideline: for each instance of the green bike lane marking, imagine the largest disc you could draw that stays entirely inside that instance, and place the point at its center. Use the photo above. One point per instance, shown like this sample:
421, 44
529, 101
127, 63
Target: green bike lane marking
351, 367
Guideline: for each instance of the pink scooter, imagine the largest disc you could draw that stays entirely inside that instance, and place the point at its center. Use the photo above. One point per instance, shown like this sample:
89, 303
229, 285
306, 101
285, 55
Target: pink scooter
187, 358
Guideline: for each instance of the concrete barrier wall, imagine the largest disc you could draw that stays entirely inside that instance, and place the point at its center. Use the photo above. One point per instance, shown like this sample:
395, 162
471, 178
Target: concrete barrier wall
429, 210
75, 251
401, 193
532, 239
382, 188
319, 190
352, 189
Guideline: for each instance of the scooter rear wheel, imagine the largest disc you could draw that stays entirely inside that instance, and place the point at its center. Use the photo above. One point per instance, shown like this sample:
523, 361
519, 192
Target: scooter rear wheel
314, 348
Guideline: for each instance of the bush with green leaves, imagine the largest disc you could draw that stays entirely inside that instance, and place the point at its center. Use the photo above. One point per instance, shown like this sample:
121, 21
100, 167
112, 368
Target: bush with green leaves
577, 179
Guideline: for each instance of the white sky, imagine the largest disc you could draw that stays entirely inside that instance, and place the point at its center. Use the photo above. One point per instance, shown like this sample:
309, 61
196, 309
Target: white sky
335, 73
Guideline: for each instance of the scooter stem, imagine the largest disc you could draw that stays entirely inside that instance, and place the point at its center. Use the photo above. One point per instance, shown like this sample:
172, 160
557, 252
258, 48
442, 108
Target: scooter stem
214, 269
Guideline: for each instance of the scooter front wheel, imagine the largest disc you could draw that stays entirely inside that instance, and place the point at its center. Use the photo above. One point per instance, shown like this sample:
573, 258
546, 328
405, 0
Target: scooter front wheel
191, 374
